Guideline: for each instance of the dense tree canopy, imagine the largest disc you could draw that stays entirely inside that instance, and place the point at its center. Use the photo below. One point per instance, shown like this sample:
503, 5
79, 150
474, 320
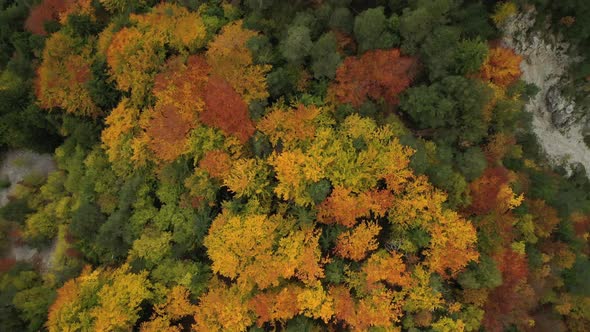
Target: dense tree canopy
284, 166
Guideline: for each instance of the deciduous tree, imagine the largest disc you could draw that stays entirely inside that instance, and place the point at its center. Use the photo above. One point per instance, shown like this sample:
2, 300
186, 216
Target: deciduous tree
502, 67
231, 60
376, 74
63, 75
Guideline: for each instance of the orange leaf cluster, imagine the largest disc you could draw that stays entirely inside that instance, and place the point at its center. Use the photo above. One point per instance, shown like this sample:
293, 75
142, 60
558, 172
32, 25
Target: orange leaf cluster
581, 224
223, 308
182, 85
502, 67
498, 147
217, 163
176, 307
177, 89
167, 130
356, 243
78, 7
388, 267
343, 207
376, 74
280, 305
452, 246
377, 309
135, 53
486, 188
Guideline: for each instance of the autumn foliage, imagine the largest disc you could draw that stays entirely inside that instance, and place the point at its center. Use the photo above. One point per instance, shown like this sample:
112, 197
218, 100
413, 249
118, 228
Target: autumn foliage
226, 110
63, 75
47, 10
232, 61
502, 67
356, 243
492, 191
376, 74
239, 185
509, 303
344, 208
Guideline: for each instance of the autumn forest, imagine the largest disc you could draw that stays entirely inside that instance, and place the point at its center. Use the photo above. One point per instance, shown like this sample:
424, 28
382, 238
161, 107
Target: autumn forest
304, 165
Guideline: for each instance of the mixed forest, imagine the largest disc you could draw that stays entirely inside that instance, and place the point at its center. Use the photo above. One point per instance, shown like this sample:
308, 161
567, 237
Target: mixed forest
260, 165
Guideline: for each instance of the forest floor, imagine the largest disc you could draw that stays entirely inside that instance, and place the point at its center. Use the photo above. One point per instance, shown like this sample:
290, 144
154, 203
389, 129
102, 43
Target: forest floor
15, 167
545, 62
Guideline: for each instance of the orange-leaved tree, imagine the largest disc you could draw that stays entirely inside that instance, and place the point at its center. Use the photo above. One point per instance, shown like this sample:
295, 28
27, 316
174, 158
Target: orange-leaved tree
502, 67
376, 74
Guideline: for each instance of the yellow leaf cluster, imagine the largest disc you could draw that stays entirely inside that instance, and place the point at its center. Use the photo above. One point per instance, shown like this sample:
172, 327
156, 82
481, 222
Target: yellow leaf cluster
232, 60
316, 303
223, 308
453, 244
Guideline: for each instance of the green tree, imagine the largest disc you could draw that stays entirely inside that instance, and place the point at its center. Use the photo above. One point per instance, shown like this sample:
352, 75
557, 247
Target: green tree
371, 30
417, 23
297, 44
325, 57
472, 163
342, 19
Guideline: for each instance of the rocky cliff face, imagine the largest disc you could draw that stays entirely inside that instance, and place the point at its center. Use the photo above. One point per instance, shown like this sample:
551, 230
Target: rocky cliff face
555, 120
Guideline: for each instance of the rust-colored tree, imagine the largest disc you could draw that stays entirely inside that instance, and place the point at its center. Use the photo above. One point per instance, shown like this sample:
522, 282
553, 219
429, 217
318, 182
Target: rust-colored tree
545, 217
225, 109
136, 52
492, 192
182, 85
217, 163
376, 74
509, 303
179, 90
378, 308
47, 10
167, 131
